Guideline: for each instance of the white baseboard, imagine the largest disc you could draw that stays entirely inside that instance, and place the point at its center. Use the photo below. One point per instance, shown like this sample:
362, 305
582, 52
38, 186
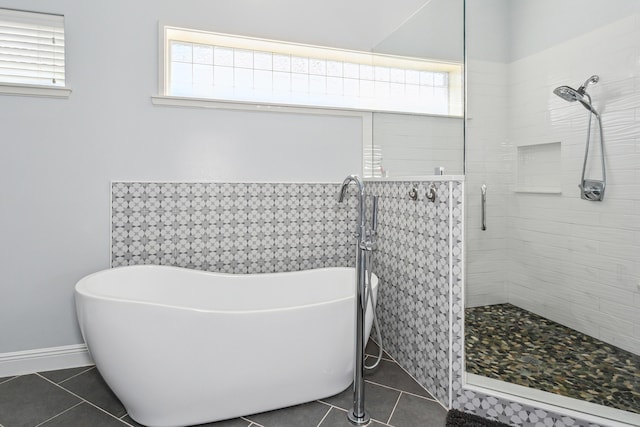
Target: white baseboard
44, 359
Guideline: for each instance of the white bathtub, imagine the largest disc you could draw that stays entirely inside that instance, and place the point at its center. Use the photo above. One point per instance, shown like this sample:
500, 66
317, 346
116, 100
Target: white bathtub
182, 347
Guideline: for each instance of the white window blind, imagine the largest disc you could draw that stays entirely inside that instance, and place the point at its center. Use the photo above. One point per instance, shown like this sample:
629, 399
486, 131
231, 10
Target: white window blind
31, 48
236, 68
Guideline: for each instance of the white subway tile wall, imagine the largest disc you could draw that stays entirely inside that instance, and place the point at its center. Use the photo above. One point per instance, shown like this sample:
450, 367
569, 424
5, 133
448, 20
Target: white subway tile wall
574, 261
488, 156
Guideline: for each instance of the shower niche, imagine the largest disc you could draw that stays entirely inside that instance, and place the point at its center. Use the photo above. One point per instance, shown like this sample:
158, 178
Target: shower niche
539, 168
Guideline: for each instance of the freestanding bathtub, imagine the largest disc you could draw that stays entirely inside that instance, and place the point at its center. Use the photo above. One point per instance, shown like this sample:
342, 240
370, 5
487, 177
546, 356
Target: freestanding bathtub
182, 347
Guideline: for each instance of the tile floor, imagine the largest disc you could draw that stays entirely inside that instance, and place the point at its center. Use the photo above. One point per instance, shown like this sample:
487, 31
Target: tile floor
79, 397
508, 343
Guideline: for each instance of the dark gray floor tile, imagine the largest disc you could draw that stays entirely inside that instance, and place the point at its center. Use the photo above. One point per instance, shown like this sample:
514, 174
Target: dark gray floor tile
4, 379
236, 422
392, 375
91, 387
338, 418
307, 414
378, 401
129, 420
84, 415
413, 411
63, 374
29, 400
372, 350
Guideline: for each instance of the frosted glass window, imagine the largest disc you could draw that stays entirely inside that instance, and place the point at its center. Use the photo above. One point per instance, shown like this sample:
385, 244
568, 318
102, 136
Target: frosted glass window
263, 79
182, 72
412, 90
263, 60
281, 62
182, 52
281, 82
317, 66
202, 54
203, 74
242, 78
381, 74
426, 78
396, 75
300, 83
334, 68
439, 79
233, 68
381, 89
351, 87
334, 86
412, 77
317, 84
366, 72
223, 77
223, 56
243, 58
396, 89
351, 71
299, 65
366, 88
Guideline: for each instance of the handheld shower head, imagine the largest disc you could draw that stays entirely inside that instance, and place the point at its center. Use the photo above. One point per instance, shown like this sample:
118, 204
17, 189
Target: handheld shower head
591, 80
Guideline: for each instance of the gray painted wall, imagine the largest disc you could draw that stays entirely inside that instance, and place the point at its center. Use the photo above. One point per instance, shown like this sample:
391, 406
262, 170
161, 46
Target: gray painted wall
59, 156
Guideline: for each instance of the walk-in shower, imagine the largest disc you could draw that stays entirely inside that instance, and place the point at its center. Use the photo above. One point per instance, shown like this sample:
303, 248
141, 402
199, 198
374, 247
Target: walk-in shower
551, 284
590, 189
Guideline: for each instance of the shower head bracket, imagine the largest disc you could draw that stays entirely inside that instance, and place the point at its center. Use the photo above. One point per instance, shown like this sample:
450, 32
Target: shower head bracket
592, 190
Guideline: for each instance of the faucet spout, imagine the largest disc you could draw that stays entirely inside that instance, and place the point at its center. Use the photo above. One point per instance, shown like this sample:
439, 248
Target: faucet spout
345, 184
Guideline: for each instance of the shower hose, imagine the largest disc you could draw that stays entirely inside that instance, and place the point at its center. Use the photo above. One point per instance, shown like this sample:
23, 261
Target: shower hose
369, 296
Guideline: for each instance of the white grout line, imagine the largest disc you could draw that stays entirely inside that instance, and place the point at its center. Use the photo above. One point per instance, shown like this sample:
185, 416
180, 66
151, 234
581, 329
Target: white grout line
84, 400
57, 415
346, 412
430, 399
253, 423
325, 416
9, 379
80, 373
394, 408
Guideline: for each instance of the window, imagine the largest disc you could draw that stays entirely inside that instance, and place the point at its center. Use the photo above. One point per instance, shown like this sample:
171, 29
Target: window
234, 68
32, 54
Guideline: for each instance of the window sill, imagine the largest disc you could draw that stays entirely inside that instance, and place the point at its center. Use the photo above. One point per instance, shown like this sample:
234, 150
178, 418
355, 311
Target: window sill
34, 90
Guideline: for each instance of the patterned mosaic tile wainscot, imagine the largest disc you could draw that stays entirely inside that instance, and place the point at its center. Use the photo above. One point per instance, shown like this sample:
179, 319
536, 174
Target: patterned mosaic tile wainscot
413, 260
232, 227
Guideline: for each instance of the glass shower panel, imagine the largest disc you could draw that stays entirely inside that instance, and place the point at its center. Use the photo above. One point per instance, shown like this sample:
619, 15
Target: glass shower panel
553, 295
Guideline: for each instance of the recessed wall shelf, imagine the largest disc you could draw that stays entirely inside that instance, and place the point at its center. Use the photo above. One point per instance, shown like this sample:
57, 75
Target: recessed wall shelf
538, 168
